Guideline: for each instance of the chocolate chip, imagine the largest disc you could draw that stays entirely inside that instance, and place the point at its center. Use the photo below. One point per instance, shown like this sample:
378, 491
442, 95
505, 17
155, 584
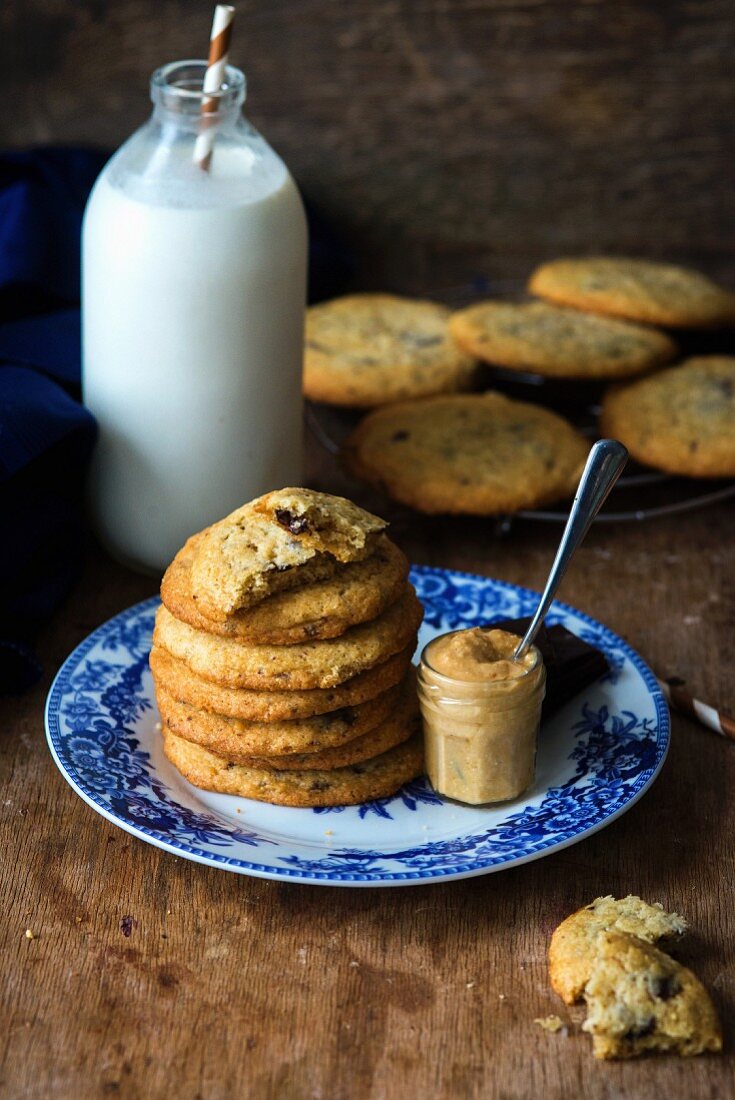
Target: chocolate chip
420, 341
664, 988
642, 1030
127, 924
346, 716
297, 525
398, 437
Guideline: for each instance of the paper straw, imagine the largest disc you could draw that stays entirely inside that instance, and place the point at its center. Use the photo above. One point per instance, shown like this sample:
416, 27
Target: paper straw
679, 698
214, 78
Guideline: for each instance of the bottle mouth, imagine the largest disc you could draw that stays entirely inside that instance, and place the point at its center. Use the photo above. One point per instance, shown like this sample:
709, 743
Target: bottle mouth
179, 86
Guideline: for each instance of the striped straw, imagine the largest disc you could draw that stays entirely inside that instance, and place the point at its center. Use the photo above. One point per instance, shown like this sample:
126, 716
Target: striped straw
219, 46
679, 698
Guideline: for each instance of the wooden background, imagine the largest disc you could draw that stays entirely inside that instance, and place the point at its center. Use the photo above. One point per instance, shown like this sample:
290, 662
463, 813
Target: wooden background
449, 138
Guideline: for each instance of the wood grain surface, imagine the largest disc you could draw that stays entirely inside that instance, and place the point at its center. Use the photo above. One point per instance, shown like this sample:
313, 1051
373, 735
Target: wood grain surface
448, 139
153, 977
456, 137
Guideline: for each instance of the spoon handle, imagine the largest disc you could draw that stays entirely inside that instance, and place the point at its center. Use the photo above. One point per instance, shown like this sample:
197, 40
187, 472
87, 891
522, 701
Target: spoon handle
604, 465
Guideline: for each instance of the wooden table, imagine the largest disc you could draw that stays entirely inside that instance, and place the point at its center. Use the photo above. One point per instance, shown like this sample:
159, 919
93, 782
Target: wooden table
234, 987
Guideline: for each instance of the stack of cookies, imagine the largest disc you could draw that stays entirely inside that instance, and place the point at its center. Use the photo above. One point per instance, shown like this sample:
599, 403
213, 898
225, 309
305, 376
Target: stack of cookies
282, 655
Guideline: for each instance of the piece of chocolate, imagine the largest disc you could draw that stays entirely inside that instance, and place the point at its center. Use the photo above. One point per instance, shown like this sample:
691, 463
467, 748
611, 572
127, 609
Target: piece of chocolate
571, 664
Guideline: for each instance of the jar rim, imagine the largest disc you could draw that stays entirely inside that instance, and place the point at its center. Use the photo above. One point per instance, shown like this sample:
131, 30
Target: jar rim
527, 670
179, 84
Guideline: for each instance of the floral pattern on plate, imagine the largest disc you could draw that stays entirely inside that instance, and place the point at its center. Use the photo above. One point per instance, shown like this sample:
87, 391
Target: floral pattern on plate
597, 756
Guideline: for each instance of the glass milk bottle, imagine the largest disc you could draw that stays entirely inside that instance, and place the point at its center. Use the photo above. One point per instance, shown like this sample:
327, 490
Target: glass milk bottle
193, 304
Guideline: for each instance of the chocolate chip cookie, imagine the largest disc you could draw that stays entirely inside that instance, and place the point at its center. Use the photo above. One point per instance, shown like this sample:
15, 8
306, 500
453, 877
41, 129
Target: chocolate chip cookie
468, 453
393, 727
230, 662
239, 737
285, 539
640, 290
639, 1001
379, 777
355, 593
557, 342
573, 947
681, 420
372, 349
275, 706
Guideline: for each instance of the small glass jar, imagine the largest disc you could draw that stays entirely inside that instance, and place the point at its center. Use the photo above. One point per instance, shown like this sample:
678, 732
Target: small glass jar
481, 736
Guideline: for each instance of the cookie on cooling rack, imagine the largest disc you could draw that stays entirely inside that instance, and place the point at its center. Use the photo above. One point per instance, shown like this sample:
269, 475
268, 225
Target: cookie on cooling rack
681, 420
557, 342
480, 454
639, 290
371, 349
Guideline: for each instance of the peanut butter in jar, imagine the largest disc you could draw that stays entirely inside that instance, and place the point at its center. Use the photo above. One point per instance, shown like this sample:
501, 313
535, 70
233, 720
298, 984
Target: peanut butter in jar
481, 711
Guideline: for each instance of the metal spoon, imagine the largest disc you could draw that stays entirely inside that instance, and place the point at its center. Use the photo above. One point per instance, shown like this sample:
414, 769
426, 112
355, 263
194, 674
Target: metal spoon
604, 466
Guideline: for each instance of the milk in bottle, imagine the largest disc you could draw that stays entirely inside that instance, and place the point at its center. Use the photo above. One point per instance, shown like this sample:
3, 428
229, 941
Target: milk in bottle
193, 301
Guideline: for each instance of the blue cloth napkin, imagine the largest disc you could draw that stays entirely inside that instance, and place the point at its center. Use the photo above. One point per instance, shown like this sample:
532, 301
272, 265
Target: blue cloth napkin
46, 435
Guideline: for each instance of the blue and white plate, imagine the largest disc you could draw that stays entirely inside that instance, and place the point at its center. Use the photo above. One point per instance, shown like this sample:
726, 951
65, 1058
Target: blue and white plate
597, 756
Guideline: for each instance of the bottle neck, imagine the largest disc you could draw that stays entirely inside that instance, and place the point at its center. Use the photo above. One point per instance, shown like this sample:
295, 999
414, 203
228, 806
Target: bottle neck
179, 100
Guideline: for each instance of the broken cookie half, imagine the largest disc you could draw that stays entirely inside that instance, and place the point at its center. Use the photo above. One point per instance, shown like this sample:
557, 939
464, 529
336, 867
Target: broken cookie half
573, 947
639, 1000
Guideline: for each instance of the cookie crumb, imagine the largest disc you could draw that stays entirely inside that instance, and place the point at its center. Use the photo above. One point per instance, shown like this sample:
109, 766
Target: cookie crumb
551, 1023
328, 832
78, 920
470, 985
30, 934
